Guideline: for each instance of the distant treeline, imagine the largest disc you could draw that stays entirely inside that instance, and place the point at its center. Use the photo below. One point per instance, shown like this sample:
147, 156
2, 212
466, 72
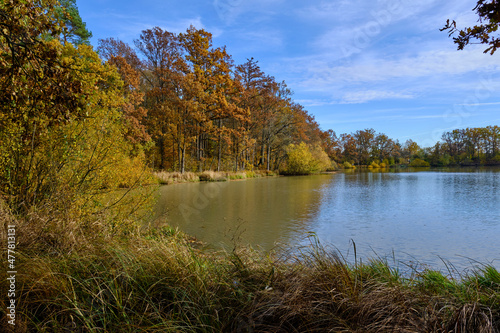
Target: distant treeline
470, 146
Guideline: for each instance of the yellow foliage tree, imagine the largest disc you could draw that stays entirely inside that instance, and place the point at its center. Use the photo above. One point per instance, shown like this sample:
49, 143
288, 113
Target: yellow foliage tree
62, 132
304, 159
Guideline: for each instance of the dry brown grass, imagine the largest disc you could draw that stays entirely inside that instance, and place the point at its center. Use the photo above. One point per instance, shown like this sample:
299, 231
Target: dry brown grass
321, 293
214, 176
167, 178
89, 278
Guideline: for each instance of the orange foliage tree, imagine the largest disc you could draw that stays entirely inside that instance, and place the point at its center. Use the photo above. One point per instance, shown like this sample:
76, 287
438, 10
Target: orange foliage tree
202, 111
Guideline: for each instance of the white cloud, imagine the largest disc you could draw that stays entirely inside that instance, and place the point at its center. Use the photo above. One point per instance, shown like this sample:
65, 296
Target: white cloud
228, 11
329, 11
129, 27
359, 97
321, 75
407, 56
479, 104
183, 24
353, 28
269, 39
438, 116
314, 102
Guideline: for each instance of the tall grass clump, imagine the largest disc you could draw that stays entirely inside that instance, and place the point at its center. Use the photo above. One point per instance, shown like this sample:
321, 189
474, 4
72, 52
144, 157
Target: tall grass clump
156, 280
238, 175
167, 178
252, 174
214, 176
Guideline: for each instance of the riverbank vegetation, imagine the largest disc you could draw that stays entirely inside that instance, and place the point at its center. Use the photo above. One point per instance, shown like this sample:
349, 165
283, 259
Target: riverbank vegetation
81, 134
167, 178
85, 279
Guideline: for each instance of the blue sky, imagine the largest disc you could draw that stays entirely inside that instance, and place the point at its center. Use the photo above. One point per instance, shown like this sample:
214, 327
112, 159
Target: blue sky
353, 64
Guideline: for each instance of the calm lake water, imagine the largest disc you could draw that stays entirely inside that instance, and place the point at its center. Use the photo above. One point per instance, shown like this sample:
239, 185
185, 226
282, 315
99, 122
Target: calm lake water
410, 216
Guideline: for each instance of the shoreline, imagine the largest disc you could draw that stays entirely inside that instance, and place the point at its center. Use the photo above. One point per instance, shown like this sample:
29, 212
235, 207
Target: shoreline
169, 178
160, 280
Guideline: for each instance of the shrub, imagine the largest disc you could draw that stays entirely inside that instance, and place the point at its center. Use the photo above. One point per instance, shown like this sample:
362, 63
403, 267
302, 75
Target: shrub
419, 163
347, 165
304, 159
333, 167
320, 160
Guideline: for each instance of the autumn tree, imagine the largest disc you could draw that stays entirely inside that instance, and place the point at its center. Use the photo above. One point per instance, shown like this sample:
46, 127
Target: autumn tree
61, 132
190, 95
364, 144
304, 159
257, 99
91, 156
364, 147
349, 149
277, 117
220, 116
384, 148
331, 145
410, 149
488, 12
165, 86
493, 141
254, 87
124, 58
202, 112
37, 92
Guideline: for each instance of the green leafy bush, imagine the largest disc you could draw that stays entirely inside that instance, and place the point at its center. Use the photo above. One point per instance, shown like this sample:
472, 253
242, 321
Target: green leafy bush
419, 163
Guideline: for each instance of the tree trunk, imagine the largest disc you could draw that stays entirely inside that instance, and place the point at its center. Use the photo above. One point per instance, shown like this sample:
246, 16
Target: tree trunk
179, 155
261, 161
199, 151
268, 157
161, 146
183, 158
236, 155
219, 157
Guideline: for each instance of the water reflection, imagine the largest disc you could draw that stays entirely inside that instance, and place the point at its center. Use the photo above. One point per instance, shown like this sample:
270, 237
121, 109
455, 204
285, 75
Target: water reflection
420, 215
424, 215
259, 212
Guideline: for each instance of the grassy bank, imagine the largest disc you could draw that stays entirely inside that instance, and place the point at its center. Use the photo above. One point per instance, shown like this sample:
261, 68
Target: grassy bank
157, 281
167, 178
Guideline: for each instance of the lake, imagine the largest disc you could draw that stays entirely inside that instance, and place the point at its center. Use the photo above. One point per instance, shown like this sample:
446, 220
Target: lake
429, 217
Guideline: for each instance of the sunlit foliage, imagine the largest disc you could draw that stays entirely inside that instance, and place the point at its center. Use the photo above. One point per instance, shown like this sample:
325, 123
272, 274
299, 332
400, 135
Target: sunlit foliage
62, 129
488, 12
